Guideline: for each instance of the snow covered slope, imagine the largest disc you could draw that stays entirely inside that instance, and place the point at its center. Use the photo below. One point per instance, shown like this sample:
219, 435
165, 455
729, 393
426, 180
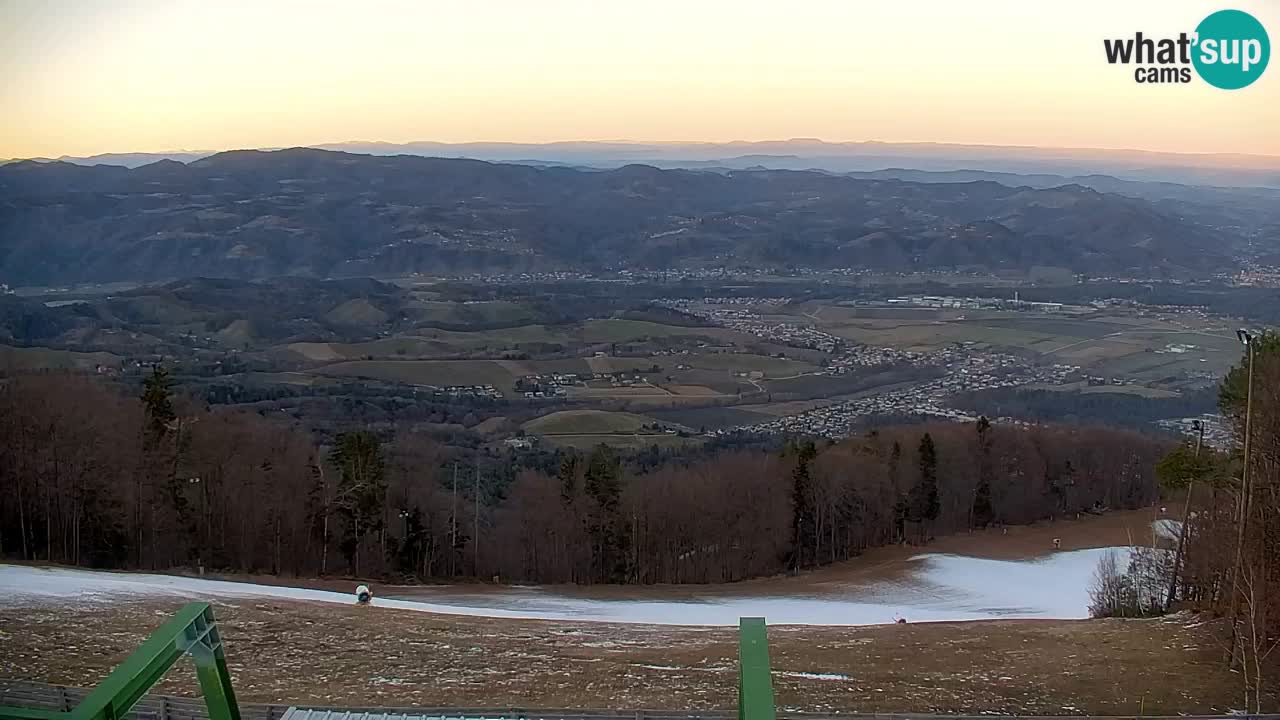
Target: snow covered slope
939, 587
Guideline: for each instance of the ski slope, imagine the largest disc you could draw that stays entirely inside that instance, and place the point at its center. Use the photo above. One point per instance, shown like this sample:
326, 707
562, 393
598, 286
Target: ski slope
936, 588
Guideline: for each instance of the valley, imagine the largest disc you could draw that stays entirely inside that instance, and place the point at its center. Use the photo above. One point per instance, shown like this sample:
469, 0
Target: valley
903, 360
665, 365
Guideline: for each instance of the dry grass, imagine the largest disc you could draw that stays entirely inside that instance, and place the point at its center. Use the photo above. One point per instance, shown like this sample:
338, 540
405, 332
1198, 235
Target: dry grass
331, 654
325, 654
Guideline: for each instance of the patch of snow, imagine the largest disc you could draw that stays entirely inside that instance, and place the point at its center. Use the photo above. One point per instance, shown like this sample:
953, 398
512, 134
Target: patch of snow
1168, 529
940, 588
812, 676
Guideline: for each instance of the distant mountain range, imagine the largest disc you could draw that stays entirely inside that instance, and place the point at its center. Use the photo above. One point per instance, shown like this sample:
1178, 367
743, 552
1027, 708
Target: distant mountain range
254, 214
1229, 170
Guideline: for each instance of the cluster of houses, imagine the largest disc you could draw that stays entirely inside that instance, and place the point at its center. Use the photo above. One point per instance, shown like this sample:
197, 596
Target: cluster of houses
965, 372
555, 384
734, 314
973, 303
1217, 434
486, 392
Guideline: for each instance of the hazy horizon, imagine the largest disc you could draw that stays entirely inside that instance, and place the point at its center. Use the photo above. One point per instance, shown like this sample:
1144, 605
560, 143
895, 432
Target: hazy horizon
86, 78
336, 146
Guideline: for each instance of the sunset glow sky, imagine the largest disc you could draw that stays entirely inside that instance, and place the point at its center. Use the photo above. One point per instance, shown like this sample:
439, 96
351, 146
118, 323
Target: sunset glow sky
88, 77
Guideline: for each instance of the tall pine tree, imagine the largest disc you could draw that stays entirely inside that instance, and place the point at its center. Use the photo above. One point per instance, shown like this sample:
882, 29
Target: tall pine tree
157, 403
982, 512
568, 476
603, 485
900, 507
803, 518
923, 505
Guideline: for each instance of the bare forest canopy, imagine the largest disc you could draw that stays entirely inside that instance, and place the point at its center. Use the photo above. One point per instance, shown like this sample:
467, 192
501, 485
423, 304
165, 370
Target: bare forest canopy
1230, 564
255, 214
91, 476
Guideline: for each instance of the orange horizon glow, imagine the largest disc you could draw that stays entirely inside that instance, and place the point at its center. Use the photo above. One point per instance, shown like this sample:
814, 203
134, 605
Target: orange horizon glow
83, 78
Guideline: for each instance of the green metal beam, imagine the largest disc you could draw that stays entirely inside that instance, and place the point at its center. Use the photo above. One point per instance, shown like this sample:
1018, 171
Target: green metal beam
755, 677
191, 631
19, 713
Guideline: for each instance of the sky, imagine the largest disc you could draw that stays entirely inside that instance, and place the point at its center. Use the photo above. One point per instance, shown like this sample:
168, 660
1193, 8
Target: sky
80, 77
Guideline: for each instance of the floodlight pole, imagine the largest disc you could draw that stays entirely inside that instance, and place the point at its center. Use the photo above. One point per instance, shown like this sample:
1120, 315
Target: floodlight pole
1245, 494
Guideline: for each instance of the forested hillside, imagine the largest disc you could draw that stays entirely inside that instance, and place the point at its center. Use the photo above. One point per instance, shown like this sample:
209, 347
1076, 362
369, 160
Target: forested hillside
1232, 542
252, 214
90, 476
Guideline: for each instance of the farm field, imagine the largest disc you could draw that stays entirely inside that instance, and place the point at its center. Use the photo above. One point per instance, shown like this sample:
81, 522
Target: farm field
622, 331
23, 358
1149, 348
770, 367
649, 393
433, 343
711, 417
715, 377
426, 372
1086, 389
620, 441
577, 422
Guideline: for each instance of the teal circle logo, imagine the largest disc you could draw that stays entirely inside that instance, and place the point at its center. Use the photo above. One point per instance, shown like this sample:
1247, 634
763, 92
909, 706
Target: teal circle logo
1232, 49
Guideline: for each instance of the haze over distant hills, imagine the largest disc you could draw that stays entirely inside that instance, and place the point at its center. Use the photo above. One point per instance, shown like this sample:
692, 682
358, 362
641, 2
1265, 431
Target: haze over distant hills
251, 214
1233, 170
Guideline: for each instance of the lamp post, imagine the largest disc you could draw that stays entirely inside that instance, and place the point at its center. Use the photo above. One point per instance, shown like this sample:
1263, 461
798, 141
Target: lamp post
201, 542
1246, 339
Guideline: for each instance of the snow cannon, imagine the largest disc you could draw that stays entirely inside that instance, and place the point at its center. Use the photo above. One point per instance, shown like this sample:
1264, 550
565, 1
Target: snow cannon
364, 595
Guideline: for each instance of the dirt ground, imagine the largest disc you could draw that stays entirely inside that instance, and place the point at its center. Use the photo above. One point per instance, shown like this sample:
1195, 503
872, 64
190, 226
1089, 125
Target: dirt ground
297, 652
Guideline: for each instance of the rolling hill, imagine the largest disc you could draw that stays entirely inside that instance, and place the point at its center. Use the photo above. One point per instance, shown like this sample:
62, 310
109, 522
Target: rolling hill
254, 214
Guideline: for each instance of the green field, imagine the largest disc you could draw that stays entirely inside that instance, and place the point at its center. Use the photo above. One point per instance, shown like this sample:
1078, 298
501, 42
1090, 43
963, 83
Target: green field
623, 442
1083, 388
584, 422
287, 378
426, 372
746, 362
935, 334
622, 331
430, 343
1110, 343
358, 311
712, 417
18, 358
574, 366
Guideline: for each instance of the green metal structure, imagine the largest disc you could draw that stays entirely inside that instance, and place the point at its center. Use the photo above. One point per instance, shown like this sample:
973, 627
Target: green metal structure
191, 631
755, 677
